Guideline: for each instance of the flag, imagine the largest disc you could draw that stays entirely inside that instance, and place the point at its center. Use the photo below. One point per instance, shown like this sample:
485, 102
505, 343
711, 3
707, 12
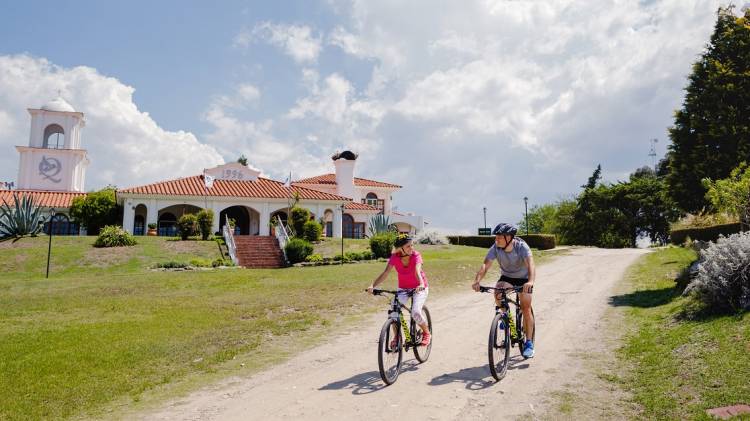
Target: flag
208, 180
288, 181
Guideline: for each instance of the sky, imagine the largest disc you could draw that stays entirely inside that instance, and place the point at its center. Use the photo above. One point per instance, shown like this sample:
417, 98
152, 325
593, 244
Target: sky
466, 104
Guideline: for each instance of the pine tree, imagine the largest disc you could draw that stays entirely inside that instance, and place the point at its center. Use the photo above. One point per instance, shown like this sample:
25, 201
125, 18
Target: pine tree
711, 132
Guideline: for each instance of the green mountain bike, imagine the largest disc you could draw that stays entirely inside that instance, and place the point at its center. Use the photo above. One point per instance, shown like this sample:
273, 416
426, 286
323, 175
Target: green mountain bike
396, 337
501, 338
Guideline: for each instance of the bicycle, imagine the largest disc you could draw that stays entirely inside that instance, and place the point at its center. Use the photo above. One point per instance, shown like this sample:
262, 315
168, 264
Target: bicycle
500, 334
396, 336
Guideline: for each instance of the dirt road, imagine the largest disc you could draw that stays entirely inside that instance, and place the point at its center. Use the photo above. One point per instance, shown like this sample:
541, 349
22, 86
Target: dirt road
340, 380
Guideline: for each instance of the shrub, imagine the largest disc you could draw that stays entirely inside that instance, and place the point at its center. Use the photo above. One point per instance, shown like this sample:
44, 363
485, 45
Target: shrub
299, 217
380, 224
297, 250
431, 237
312, 231
221, 262
200, 263
23, 218
540, 241
152, 226
352, 255
367, 255
205, 219
187, 225
171, 265
723, 281
314, 258
710, 233
382, 244
537, 241
114, 236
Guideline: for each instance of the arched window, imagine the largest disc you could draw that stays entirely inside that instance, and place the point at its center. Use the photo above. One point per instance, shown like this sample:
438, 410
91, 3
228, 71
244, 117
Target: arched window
372, 200
61, 225
54, 137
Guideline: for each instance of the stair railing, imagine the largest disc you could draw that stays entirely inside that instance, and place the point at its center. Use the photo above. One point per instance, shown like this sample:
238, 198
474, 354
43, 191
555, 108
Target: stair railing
283, 236
229, 239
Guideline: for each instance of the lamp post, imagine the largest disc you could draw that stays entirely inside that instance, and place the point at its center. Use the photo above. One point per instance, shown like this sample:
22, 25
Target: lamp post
342, 235
485, 216
526, 210
49, 248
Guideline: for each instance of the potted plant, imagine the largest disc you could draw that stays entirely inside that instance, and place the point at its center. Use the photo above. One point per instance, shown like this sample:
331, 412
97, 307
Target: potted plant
151, 229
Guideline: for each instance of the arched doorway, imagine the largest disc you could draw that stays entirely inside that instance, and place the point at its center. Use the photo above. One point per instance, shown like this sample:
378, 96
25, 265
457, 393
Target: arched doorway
167, 226
246, 220
139, 221
328, 223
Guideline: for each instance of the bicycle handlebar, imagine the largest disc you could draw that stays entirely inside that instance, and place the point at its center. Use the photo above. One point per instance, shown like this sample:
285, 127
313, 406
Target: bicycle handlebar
514, 289
409, 291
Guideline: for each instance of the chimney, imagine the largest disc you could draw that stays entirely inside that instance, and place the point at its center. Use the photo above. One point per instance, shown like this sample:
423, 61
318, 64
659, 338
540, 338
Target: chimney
344, 163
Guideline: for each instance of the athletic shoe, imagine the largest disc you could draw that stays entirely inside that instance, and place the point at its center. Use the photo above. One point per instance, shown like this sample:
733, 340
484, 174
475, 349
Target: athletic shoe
528, 349
426, 339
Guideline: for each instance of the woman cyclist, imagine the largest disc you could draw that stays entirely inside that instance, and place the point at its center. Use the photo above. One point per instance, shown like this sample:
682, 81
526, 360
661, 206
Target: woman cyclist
408, 265
517, 269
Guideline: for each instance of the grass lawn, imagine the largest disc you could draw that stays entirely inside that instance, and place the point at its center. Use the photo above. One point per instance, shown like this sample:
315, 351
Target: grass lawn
105, 331
676, 368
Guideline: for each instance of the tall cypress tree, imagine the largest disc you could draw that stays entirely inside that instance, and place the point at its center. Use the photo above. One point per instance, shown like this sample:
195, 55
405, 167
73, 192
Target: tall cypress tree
711, 132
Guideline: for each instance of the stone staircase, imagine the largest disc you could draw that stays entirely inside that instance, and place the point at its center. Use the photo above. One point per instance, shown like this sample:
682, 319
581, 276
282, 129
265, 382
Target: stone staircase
257, 252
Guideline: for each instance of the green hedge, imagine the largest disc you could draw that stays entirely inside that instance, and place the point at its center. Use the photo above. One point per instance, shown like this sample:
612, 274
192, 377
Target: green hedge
704, 234
537, 241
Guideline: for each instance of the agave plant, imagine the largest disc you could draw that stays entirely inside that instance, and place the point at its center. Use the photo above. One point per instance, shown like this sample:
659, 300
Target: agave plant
380, 224
22, 219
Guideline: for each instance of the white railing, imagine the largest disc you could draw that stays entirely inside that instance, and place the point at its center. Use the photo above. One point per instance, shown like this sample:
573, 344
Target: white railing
229, 239
282, 236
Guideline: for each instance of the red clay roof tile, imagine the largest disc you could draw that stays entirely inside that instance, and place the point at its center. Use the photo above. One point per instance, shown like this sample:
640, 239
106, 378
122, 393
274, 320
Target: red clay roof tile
261, 188
330, 179
47, 199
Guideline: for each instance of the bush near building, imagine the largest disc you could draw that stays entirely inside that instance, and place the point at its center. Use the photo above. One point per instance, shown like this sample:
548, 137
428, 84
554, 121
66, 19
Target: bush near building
114, 236
297, 250
382, 244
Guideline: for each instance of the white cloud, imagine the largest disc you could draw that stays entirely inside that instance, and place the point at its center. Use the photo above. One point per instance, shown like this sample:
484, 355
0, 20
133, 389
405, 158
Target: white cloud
297, 41
481, 103
126, 146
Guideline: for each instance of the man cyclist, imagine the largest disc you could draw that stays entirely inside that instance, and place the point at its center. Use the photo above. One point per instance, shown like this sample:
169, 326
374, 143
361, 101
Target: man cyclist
516, 269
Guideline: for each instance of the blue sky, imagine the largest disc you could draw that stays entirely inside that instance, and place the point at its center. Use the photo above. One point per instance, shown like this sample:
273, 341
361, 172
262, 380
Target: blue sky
465, 104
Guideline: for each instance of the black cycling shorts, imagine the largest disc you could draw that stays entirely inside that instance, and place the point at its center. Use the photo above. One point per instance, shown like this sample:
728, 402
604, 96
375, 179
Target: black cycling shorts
516, 282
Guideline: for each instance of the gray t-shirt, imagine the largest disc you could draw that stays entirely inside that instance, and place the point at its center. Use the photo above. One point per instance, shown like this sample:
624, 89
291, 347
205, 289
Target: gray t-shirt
512, 264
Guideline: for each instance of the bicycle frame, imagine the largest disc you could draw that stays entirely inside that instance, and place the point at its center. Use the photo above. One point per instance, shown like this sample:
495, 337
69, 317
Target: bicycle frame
396, 312
504, 306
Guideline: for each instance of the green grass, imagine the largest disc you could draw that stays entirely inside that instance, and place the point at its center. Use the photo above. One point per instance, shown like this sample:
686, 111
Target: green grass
676, 368
105, 331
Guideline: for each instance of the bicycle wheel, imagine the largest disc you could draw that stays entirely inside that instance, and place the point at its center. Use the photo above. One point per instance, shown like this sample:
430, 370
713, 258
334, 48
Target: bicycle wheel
499, 347
422, 353
522, 336
390, 351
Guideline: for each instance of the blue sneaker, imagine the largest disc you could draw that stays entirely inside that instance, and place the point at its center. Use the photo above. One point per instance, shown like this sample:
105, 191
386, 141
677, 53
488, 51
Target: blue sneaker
528, 350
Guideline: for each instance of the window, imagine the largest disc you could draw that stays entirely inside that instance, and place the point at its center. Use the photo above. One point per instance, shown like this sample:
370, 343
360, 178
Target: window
54, 137
61, 225
372, 200
167, 225
138, 226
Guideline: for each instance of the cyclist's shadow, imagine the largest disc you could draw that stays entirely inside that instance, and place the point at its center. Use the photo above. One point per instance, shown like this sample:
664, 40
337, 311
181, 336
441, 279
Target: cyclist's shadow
364, 383
476, 378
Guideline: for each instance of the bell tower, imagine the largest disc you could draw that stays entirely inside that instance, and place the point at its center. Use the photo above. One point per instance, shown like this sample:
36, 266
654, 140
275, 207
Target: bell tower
54, 159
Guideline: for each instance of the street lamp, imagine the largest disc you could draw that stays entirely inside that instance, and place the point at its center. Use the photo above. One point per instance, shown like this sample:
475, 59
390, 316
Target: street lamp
526, 207
485, 216
49, 248
342, 234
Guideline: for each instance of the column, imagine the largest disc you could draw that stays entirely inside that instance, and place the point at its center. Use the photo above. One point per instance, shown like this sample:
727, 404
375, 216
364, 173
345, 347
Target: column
265, 219
337, 219
128, 216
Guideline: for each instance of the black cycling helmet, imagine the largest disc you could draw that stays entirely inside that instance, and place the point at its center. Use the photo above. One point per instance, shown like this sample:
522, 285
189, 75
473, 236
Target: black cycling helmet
401, 240
505, 229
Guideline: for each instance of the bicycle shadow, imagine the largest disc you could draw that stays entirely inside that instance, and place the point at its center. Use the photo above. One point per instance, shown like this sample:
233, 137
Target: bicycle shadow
365, 383
477, 378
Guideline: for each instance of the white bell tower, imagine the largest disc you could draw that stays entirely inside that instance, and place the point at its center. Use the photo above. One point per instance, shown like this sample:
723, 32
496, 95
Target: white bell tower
54, 159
